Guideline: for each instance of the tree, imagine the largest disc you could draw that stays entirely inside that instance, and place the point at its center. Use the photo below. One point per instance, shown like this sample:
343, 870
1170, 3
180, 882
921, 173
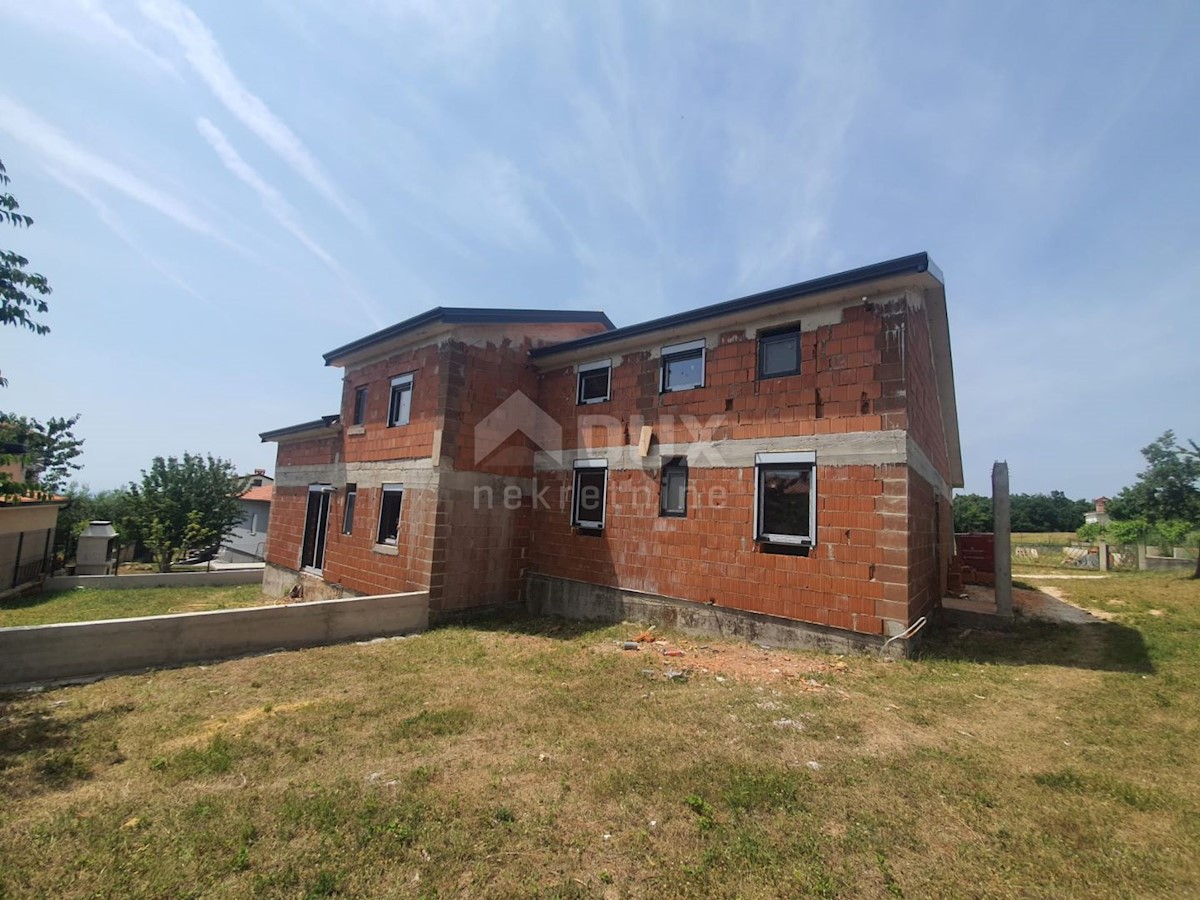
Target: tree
22, 292
45, 452
972, 512
1166, 494
1167, 489
185, 504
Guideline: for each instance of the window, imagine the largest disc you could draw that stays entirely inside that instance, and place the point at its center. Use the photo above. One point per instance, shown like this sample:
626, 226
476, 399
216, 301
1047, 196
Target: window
348, 511
401, 403
779, 352
683, 366
257, 482
785, 498
594, 379
673, 491
360, 405
587, 501
389, 513
316, 517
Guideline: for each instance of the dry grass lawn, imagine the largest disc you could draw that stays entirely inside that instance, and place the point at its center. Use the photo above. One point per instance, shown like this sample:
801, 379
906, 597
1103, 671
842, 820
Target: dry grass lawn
538, 759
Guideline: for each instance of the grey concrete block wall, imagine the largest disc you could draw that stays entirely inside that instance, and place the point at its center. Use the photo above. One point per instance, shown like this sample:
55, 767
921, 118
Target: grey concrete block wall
46, 653
546, 595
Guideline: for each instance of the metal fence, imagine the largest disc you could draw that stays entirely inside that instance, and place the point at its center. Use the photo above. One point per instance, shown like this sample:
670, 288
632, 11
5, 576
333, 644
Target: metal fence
24, 557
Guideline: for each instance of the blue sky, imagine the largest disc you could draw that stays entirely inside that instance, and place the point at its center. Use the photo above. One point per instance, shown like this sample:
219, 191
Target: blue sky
224, 191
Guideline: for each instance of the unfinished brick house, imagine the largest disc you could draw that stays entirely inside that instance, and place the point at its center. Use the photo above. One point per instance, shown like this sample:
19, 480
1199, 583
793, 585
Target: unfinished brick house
778, 466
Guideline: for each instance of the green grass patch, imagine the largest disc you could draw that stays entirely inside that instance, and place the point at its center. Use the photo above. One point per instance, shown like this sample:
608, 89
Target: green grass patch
92, 604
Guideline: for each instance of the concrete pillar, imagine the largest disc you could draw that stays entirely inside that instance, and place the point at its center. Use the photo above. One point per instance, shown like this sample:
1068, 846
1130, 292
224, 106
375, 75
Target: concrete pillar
1002, 533
1142, 564
1103, 550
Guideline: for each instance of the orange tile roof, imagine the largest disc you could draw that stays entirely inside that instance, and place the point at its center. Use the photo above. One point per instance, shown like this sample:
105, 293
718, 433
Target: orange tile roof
262, 492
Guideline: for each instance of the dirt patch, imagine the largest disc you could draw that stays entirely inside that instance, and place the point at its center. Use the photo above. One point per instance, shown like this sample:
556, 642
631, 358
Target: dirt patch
737, 662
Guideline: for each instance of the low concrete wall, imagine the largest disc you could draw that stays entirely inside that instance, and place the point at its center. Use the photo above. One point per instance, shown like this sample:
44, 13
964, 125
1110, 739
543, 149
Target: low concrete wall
549, 596
37, 654
278, 582
156, 579
1168, 563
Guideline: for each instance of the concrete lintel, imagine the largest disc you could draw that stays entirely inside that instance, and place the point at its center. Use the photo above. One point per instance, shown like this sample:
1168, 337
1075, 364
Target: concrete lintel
863, 448
419, 472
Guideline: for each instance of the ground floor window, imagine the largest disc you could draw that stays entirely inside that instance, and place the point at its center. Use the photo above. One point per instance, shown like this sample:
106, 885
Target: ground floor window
673, 490
316, 519
389, 513
348, 511
590, 487
785, 498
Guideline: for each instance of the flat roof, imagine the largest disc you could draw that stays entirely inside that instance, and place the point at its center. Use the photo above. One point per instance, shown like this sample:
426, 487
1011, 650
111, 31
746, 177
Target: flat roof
904, 265
323, 422
465, 315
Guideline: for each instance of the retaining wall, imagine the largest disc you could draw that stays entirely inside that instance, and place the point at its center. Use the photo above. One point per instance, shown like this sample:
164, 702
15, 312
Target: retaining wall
37, 654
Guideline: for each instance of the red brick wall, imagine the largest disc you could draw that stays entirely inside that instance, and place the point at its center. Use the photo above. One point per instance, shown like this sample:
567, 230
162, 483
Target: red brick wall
379, 442
929, 518
856, 575
851, 379
352, 560
924, 404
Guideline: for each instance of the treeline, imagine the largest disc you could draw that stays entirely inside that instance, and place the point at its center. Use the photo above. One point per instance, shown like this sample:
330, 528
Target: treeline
1028, 512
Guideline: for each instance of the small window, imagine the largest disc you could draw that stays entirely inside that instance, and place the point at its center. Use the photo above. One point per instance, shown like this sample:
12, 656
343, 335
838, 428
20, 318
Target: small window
348, 511
400, 406
594, 381
360, 405
683, 366
673, 492
389, 513
257, 482
587, 501
785, 498
779, 352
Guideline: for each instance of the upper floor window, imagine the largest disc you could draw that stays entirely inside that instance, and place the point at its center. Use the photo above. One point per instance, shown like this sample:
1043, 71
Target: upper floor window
400, 407
785, 498
595, 382
360, 405
779, 352
683, 366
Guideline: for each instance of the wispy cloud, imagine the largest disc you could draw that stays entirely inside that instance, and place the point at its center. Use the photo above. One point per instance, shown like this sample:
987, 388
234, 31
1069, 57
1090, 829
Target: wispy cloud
86, 20
278, 207
59, 151
114, 223
274, 202
204, 55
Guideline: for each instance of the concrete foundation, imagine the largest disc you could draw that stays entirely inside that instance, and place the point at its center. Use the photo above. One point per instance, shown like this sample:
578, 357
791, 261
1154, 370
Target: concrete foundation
278, 581
549, 596
41, 654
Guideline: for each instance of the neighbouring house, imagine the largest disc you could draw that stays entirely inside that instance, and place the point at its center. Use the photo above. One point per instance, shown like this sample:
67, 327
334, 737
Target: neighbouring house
1099, 515
778, 466
247, 542
27, 526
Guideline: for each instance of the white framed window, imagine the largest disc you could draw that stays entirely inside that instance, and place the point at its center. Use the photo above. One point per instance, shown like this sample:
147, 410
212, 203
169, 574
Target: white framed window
588, 493
391, 501
595, 382
682, 367
400, 405
785, 498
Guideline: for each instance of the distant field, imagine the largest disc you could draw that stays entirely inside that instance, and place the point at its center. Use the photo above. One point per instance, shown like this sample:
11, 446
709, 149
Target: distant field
89, 604
537, 758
